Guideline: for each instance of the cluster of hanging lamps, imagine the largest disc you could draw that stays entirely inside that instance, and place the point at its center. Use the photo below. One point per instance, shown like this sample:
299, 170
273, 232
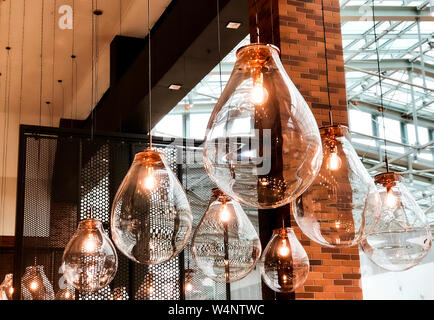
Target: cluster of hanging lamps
401, 238
284, 262
89, 261
279, 154
225, 245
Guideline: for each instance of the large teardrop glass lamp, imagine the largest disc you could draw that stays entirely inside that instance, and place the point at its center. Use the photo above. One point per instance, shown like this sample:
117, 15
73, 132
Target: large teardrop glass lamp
151, 219
225, 246
284, 263
262, 146
402, 236
342, 200
89, 261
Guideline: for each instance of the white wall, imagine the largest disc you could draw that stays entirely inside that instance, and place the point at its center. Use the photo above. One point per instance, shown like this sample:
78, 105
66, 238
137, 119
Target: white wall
416, 283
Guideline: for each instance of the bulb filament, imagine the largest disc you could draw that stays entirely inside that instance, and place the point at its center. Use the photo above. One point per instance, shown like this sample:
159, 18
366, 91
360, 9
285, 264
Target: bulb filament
283, 250
224, 214
188, 287
90, 244
34, 285
258, 94
334, 161
149, 181
390, 198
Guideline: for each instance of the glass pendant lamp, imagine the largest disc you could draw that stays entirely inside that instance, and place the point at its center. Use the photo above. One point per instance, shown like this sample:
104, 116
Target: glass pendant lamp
402, 236
225, 244
6, 287
151, 219
35, 284
342, 199
284, 263
262, 146
89, 262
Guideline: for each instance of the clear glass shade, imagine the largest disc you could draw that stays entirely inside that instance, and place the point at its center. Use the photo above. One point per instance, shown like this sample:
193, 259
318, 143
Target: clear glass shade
35, 284
284, 262
225, 245
151, 219
262, 146
7, 288
402, 236
89, 261
342, 200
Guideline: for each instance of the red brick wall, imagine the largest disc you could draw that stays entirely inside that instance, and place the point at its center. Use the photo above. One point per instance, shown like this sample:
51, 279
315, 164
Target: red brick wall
298, 32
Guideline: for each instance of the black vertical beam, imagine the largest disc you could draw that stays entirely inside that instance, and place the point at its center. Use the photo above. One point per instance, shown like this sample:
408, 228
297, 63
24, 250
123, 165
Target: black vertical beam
19, 222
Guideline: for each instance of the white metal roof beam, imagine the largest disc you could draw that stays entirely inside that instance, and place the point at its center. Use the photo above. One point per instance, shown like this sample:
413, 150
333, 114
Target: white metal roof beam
385, 13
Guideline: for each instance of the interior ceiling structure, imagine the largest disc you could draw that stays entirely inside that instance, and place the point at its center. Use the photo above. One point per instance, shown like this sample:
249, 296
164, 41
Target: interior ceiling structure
72, 97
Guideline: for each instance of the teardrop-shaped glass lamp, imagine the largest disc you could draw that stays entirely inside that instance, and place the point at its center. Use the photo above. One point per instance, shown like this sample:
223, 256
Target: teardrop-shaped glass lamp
284, 262
67, 293
262, 146
89, 261
35, 284
342, 199
151, 219
402, 236
225, 244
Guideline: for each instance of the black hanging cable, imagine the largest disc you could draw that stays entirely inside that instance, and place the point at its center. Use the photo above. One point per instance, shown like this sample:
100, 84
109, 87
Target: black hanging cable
22, 62
381, 87
326, 62
92, 97
149, 76
219, 46
6, 119
257, 23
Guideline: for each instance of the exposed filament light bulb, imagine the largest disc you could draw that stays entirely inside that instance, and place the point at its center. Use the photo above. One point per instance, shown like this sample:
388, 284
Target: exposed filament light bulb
188, 287
149, 180
283, 249
390, 198
258, 94
225, 214
334, 162
90, 245
34, 285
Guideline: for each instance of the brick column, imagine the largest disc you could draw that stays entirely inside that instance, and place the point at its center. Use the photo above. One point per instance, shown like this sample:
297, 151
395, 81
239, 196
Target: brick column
295, 26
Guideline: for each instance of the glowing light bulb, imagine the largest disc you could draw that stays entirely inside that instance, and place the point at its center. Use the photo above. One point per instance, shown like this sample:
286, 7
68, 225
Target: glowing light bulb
151, 290
334, 162
188, 287
149, 181
90, 244
259, 94
283, 249
67, 295
225, 214
11, 291
34, 285
337, 224
390, 199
